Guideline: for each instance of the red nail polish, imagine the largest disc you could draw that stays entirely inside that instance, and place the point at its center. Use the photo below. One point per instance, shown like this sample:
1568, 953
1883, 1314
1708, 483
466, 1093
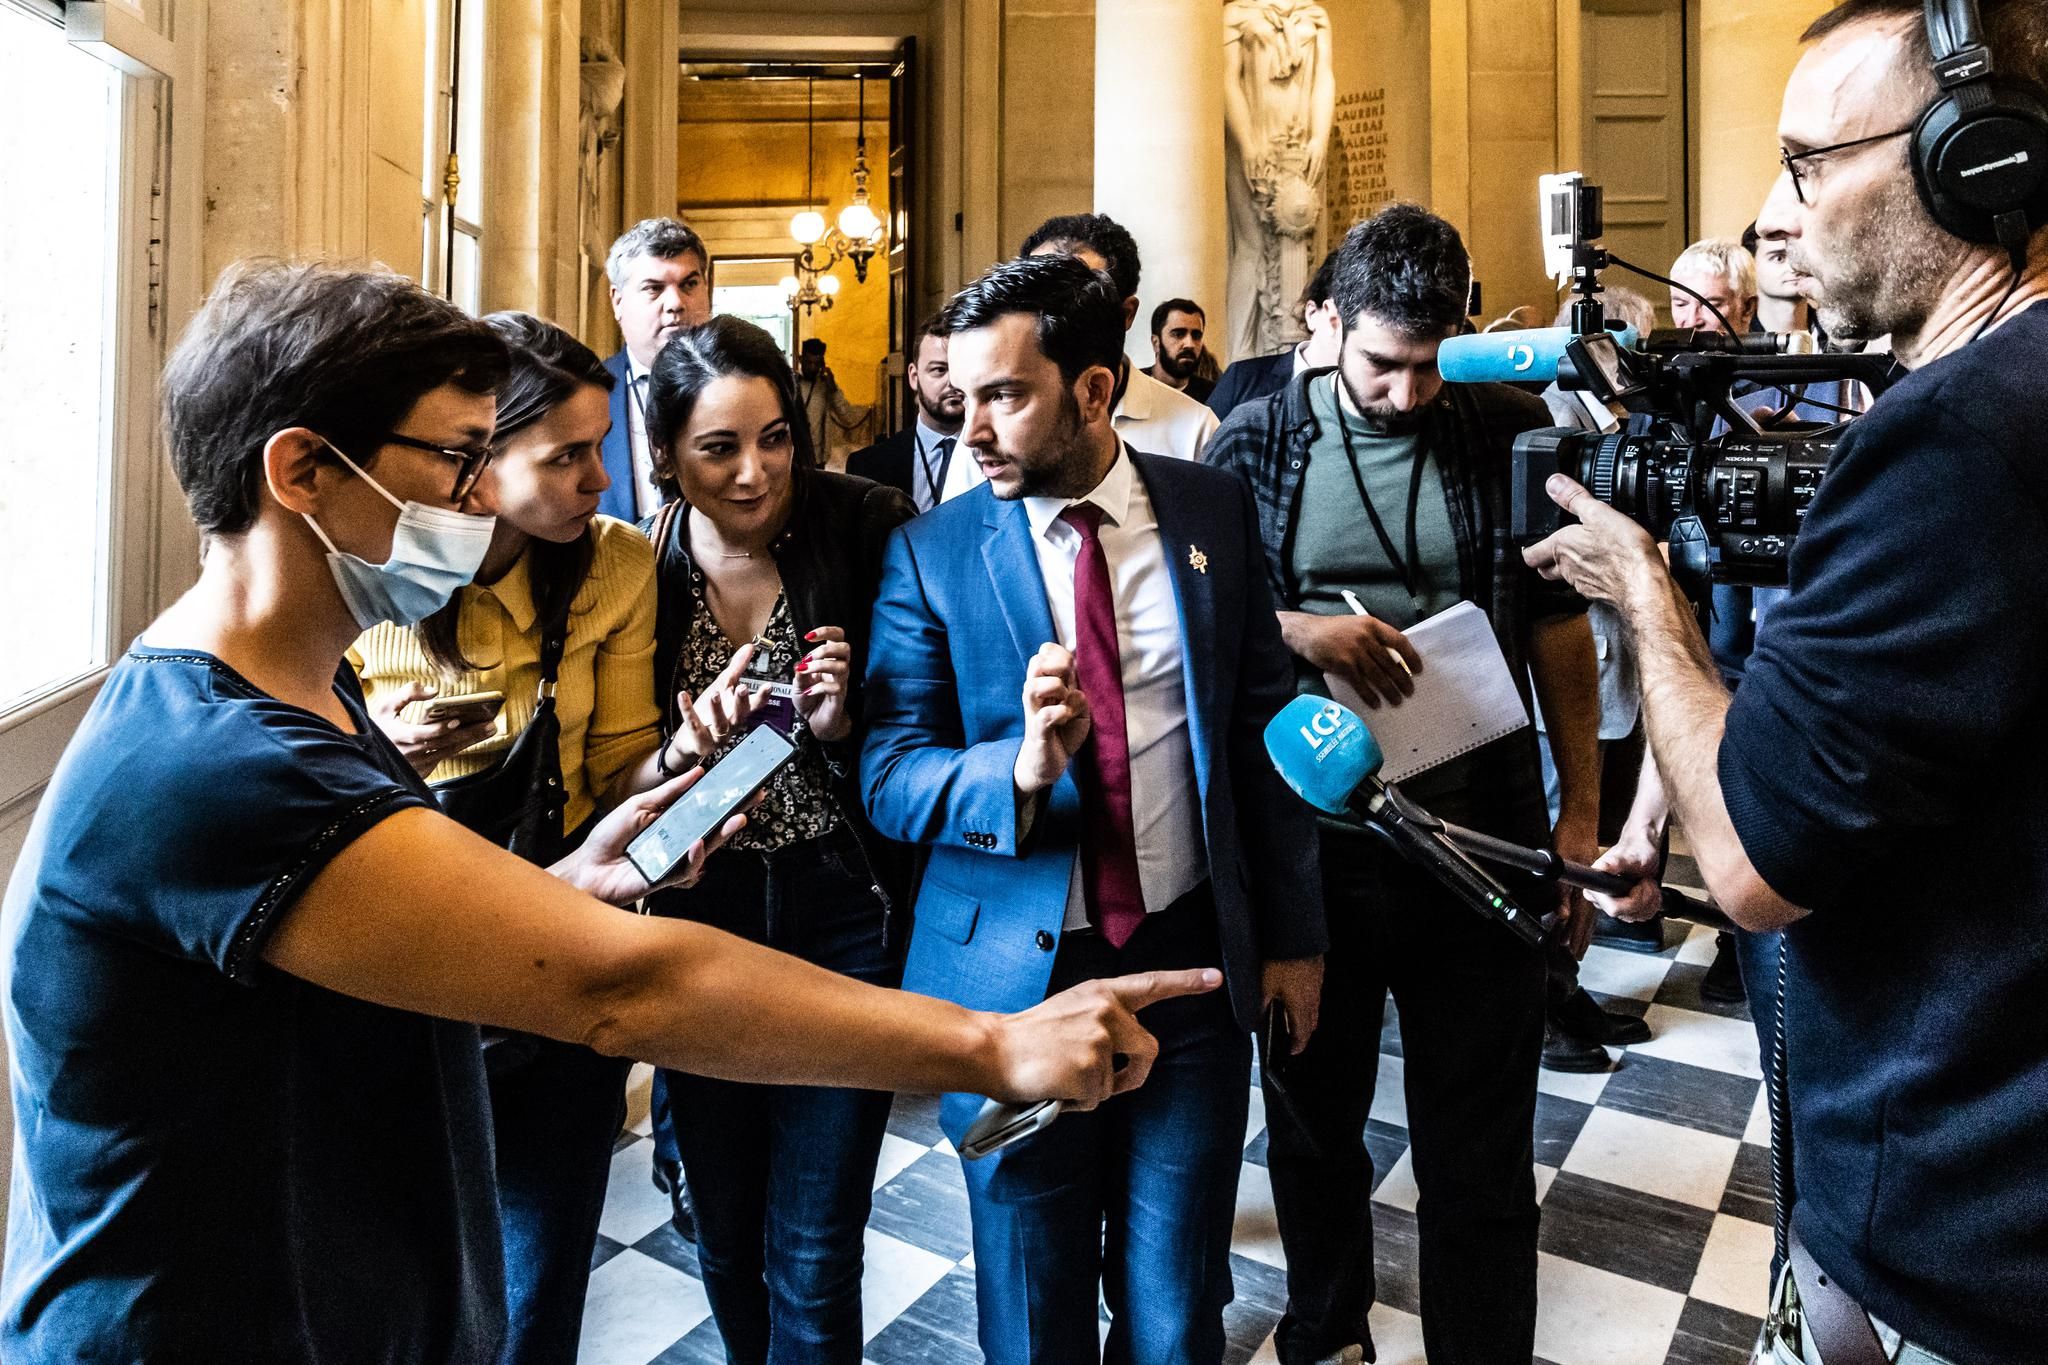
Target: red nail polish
802, 664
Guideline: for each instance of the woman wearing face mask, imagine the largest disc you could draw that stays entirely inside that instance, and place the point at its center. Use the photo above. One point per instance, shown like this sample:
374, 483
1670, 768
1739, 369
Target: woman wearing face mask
247, 956
764, 550
563, 604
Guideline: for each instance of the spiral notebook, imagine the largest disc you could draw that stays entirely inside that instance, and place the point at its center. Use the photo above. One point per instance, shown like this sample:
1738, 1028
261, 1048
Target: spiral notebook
1464, 697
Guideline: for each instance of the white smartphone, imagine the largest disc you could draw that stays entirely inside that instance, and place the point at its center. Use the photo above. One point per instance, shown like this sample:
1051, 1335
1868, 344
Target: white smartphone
998, 1125
656, 850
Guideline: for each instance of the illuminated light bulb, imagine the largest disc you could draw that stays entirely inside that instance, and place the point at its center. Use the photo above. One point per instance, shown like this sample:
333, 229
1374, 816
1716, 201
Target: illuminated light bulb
858, 221
828, 284
807, 227
791, 285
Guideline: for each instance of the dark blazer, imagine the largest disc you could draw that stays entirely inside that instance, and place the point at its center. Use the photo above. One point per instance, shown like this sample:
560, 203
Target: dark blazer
961, 611
617, 501
1252, 378
890, 461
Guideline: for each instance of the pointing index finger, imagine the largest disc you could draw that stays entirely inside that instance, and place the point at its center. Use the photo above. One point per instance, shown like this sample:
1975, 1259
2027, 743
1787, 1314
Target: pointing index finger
1149, 988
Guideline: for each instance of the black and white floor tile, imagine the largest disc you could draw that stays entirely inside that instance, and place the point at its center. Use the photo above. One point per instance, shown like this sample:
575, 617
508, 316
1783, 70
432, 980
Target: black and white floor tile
1654, 1179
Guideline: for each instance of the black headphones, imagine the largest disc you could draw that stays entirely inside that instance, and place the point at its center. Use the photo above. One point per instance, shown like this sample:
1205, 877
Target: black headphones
1980, 151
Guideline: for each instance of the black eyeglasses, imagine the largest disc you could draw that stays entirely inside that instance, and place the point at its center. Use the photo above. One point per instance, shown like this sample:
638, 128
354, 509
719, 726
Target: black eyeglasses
470, 461
1792, 159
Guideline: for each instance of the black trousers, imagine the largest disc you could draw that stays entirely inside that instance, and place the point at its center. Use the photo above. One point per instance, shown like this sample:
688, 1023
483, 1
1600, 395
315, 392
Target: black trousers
1471, 1003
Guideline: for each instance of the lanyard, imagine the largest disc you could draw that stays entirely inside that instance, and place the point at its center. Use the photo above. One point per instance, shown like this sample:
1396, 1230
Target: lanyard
640, 403
1410, 567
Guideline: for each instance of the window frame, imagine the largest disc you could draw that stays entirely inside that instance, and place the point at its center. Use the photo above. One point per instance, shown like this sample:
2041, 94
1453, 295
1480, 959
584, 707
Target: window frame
453, 82
154, 236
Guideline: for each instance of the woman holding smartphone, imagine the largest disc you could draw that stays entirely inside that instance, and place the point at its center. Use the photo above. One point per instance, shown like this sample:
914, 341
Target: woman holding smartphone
765, 551
562, 606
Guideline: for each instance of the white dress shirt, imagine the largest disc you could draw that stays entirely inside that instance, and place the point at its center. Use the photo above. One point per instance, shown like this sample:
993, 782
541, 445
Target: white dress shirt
1166, 813
646, 494
1161, 420
1150, 417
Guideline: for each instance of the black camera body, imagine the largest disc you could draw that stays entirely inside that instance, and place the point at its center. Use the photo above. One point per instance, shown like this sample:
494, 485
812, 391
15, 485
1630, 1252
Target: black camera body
1730, 508
1731, 505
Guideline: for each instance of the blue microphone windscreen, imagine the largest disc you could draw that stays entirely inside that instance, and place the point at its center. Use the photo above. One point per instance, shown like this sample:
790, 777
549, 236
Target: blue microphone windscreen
1527, 356
1322, 750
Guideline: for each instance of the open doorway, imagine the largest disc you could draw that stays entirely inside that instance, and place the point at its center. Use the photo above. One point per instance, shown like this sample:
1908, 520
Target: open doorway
779, 155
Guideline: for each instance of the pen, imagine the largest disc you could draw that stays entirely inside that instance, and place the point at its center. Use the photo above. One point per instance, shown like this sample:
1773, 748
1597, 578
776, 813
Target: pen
1358, 609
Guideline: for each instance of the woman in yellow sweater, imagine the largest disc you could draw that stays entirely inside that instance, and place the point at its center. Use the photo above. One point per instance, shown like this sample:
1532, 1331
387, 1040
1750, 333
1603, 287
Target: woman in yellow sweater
554, 568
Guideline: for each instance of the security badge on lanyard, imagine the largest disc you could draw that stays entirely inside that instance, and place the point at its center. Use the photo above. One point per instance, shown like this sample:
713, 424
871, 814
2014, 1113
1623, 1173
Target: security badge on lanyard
1409, 567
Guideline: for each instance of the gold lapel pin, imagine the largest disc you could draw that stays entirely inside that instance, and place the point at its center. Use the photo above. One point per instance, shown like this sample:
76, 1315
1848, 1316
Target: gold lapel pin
1197, 561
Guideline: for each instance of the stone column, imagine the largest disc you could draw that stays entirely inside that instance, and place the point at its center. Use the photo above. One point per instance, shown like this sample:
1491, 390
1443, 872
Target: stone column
1159, 150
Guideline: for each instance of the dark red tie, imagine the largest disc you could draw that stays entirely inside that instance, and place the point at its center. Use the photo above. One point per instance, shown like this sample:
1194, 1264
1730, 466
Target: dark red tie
1109, 847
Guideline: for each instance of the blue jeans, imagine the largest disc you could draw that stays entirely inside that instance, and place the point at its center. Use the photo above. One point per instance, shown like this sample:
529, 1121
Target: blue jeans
1139, 1192
781, 1175
555, 1114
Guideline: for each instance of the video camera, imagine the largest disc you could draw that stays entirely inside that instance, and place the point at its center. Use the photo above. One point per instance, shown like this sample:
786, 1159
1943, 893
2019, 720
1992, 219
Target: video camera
1730, 504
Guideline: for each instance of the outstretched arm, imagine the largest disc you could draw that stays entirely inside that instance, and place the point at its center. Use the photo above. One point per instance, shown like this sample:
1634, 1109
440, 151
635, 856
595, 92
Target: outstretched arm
419, 914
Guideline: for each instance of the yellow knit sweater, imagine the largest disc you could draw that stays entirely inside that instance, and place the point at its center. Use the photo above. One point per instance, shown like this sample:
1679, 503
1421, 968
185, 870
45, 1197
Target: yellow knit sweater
604, 694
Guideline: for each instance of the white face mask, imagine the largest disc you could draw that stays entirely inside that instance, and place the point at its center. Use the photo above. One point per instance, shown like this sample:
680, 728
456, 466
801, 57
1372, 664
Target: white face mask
434, 551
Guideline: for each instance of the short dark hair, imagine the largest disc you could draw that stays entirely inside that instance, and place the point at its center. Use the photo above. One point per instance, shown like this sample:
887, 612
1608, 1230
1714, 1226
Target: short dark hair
2016, 31
1172, 306
1407, 269
344, 352
548, 366
1101, 234
1317, 292
812, 346
933, 326
1080, 313
723, 348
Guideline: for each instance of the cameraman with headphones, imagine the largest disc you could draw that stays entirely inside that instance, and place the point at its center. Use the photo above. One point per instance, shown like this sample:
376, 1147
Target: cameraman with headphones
1878, 785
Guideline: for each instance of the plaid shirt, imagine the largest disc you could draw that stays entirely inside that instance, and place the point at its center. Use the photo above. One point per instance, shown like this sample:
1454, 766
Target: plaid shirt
1471, 431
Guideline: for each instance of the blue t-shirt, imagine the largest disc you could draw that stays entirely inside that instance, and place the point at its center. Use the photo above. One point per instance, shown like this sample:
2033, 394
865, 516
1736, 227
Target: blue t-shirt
218, 1161
1884, 766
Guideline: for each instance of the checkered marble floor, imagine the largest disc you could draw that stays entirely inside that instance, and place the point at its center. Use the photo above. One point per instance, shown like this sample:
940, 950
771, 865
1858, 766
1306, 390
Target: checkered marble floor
1654, 1180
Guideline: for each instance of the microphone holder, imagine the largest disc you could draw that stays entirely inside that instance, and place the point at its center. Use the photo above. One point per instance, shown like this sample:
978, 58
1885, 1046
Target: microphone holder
1487, 895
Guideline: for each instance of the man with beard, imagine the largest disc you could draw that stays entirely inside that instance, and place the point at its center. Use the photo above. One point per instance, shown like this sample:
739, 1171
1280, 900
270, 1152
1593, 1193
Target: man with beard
1069, 677
1377, 483
916, 459
660, 284
1178, 328
1875, 786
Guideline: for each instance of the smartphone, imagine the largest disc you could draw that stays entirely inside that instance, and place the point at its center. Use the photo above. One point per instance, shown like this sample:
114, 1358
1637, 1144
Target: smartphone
471, 708
1276, 1050
1276, 1039
656, 850
998, 1125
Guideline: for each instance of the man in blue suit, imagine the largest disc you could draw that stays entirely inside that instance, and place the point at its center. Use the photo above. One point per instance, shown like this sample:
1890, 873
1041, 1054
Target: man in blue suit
661, 283
1069, 677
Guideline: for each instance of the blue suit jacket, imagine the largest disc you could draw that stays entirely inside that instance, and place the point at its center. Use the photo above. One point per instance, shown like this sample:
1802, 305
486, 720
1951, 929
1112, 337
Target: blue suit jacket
961, 611
617, 501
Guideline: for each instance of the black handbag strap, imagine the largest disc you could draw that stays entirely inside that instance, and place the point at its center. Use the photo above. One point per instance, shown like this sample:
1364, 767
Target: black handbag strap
554, 641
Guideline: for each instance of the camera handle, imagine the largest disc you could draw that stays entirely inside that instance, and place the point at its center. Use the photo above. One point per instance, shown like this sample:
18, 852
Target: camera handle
1692, 566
